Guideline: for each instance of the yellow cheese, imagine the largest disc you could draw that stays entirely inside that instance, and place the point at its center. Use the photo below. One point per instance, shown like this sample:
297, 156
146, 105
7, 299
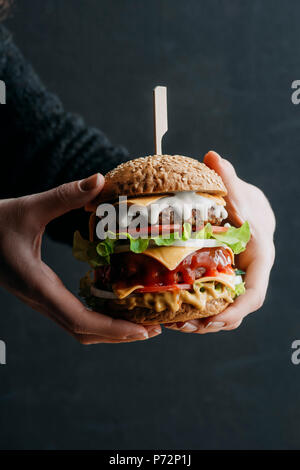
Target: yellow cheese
169, 256
160, 301
224, 279
219, 199
142, 201
147, 200
124, 292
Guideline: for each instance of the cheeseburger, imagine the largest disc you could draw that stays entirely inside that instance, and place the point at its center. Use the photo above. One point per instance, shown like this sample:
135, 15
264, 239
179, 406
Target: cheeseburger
161, 246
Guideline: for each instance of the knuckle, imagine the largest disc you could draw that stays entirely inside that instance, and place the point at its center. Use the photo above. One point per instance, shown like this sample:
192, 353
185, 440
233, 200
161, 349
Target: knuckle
62, 193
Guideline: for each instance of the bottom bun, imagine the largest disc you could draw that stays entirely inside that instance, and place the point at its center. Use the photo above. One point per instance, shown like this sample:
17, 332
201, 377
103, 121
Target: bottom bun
185, 313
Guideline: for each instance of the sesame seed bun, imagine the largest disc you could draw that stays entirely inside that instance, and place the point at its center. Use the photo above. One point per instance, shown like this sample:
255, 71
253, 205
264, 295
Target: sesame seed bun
159, 174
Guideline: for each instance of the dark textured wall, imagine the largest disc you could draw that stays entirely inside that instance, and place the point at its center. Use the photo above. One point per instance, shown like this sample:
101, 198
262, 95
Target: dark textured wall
228, 65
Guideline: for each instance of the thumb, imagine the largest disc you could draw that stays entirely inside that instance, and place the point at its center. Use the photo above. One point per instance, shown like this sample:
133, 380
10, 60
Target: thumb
222, 167
56, 202
232, 183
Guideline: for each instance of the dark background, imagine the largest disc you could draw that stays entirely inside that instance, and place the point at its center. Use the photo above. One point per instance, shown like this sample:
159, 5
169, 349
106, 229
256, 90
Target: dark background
228, 65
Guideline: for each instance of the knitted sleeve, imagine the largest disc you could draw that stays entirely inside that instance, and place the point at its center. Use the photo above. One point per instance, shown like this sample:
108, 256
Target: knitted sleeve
42, 145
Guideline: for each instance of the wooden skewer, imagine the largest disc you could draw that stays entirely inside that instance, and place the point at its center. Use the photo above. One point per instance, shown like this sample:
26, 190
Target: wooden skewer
160, 116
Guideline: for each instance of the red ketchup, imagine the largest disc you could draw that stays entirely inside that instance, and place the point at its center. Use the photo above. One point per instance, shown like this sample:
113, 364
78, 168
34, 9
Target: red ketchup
130, 268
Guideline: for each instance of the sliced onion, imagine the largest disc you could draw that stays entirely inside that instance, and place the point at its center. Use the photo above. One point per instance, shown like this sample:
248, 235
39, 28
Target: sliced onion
103, 294
238, 279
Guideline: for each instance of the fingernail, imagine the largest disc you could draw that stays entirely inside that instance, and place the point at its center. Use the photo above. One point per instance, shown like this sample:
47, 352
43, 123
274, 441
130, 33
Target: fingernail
90, 183
140, 336
188, 327
215, 324
156, 330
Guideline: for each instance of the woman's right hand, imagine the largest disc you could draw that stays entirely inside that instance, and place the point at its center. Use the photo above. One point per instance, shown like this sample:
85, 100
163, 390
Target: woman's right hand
22, 271
244, 202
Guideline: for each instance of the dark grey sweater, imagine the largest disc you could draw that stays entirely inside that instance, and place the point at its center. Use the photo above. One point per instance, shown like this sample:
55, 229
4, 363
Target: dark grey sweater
42, 145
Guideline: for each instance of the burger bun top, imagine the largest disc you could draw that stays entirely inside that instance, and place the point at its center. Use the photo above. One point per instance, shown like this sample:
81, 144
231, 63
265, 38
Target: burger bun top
158, 174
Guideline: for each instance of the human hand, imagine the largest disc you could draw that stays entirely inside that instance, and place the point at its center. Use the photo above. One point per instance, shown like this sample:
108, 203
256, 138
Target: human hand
243, 202
22, 271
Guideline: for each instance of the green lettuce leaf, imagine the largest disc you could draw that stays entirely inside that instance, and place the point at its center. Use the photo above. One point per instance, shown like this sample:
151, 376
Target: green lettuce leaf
86, 251
239, 272
137, 245
105, 249
187, 232
235, 238
161, 241
205, 233
98, 253
240, 289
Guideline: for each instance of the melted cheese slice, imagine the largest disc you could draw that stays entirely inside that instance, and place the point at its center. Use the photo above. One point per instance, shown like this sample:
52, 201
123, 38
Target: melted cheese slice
169, 256
160, 301
125, 291
219, 199
142, 201
225, 279
147, 200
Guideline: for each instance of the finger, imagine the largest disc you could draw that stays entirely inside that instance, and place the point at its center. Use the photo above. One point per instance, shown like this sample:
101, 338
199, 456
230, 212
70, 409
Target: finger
191, 326
153, 330
234, 326
227, 172
48, 205
94, 339
68, 310
88, 340
201, 328
221, 166
197, 326
216, 326
256, 281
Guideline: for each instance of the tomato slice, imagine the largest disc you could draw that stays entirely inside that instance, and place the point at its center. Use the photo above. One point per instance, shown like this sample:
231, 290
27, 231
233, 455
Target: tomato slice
219, 229
164, 288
